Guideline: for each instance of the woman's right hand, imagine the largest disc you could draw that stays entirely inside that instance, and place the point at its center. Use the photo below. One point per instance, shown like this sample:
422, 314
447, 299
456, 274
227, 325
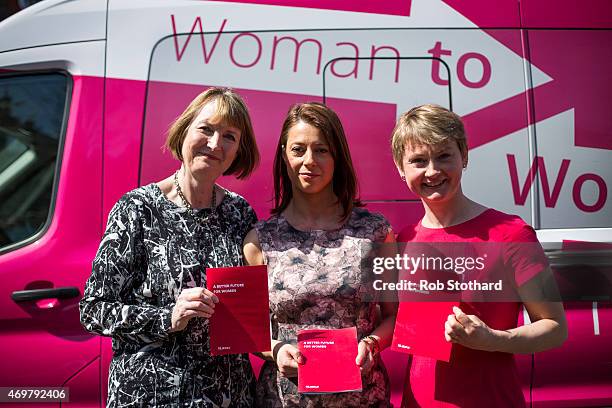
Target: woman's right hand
287, 359
192, 302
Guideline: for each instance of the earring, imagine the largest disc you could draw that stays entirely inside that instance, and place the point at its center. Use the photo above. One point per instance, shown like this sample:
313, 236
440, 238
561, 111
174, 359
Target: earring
403, 178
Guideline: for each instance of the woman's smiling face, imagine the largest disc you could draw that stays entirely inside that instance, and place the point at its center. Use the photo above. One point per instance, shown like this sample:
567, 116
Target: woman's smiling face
210, 145
433, 172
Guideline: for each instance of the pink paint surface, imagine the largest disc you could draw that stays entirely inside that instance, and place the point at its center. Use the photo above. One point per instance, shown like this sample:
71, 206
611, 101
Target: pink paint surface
122, 138
577, 374
568, 57
566, 14
393, 7
498, 13
580, 63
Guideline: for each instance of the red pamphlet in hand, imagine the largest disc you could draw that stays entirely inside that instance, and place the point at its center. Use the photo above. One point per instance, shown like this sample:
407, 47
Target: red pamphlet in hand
241, 322
419, 329
330, 361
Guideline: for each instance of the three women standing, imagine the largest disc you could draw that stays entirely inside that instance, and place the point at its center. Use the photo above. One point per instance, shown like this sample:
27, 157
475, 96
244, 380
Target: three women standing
147, 288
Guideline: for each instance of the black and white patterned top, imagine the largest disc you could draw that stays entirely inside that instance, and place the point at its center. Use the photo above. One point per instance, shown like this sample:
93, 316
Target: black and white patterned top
153, 249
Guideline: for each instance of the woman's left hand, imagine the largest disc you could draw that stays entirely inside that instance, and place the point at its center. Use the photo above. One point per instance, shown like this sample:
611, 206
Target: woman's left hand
365, 357
469, 331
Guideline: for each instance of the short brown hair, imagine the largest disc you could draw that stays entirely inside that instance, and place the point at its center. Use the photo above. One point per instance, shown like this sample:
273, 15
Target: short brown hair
327, 122
231, 110
429, 125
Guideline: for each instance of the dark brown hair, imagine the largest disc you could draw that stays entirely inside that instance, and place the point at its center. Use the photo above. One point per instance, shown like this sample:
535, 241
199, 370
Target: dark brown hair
344, 182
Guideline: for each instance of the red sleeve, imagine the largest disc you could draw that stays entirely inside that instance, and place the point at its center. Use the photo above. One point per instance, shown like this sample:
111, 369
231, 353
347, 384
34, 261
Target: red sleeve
523, 252
407, 234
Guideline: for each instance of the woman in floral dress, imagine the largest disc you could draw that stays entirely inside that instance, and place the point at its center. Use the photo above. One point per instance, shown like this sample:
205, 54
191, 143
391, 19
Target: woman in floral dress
313, 245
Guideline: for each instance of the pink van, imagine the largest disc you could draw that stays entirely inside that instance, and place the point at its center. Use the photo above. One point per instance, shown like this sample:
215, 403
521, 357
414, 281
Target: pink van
88, 88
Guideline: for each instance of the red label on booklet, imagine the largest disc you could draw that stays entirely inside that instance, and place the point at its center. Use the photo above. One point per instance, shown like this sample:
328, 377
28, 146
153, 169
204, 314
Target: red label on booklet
241, 322
419, 329
330, 361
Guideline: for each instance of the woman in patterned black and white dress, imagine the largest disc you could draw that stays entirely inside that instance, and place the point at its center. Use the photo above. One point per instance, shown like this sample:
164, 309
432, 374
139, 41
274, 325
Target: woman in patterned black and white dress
313, 245
147, 288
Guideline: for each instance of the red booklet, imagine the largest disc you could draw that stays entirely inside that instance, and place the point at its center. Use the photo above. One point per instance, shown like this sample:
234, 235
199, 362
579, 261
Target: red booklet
330, 361
419, 329
241, 322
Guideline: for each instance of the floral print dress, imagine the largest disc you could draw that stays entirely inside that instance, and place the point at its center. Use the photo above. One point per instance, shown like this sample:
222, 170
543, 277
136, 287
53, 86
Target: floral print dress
315, 281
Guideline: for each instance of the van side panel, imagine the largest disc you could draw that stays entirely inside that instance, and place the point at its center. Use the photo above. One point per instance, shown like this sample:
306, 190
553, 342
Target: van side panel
49, 333
124, 112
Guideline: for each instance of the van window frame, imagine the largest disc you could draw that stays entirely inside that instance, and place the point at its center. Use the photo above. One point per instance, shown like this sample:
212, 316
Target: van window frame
60, 152
401, 58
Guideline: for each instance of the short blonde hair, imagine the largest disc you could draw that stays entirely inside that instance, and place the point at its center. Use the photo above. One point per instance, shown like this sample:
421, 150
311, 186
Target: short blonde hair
232, 111
427, 125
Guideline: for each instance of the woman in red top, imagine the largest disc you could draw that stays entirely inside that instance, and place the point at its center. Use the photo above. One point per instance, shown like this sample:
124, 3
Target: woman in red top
430, 152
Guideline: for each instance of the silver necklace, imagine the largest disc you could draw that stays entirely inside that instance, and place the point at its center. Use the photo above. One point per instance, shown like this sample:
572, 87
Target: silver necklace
186, 204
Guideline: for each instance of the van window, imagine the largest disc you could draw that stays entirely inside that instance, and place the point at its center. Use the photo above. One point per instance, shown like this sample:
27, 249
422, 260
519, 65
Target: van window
32, 110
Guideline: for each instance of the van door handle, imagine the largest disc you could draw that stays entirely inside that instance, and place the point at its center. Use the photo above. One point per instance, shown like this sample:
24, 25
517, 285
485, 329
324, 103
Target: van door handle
67, 292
